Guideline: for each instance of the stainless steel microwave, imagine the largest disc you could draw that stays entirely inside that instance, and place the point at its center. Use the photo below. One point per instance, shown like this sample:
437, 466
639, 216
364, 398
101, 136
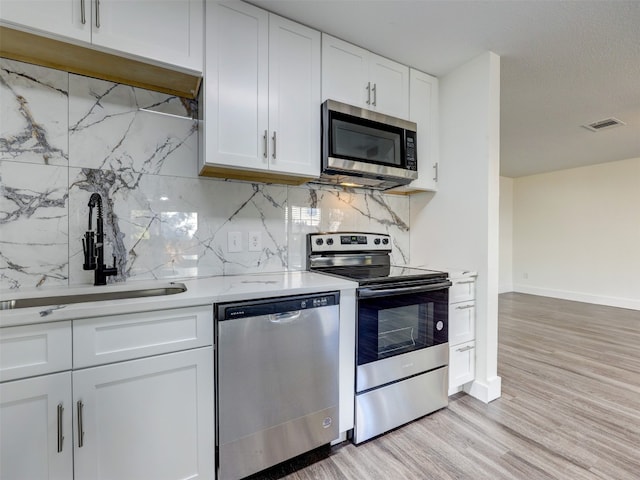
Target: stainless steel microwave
365, 148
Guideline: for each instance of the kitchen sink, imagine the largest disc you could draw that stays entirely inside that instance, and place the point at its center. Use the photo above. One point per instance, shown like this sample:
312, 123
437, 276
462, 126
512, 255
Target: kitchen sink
168, 289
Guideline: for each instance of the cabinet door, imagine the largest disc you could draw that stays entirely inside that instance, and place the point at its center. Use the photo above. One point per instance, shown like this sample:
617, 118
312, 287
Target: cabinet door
69, 18
35, 428
345, 72
389, 87
423, 110
462, 322
170, 31
236, 85
294, 98
148, 419
462, 365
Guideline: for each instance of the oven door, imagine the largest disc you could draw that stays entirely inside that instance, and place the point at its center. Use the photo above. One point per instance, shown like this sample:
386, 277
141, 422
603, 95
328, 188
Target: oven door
400, 332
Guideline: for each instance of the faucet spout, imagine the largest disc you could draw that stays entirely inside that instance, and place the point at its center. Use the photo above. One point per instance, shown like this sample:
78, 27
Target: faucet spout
93, 245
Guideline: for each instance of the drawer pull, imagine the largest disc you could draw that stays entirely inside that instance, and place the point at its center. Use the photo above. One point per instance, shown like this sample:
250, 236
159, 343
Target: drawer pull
465, 349
465, 307
466, 282
60, 435
80, 429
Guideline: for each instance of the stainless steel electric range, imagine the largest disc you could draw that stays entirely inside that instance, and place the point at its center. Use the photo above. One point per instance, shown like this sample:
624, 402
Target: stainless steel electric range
402, 350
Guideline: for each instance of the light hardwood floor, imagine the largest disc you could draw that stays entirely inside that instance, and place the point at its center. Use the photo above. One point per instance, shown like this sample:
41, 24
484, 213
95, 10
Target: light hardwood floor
570, 407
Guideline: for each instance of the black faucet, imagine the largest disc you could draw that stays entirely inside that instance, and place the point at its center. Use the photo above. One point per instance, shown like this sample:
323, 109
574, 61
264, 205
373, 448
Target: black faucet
93, 246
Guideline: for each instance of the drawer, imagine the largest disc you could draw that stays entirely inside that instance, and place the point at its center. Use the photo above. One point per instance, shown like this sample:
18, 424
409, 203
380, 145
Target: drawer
462, 365
31, 350
462, 322
125, 337
462, 290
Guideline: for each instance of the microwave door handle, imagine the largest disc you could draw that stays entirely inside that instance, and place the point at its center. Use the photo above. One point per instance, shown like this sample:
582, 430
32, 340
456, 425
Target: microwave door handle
386, 292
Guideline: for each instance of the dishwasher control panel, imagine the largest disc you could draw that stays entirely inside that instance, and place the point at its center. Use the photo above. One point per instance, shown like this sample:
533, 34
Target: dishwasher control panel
271, 306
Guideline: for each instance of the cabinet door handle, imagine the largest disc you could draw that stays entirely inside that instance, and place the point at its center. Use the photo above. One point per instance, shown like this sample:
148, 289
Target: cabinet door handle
375, 94
273, 154
368, 93
466, 282
465, 307
80, 429
60, 434
266, 146
465, 349
83, 16
435, 167
97, 13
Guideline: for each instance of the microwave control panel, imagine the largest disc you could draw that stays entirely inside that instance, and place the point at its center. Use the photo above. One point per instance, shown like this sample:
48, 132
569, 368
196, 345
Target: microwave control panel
410, 151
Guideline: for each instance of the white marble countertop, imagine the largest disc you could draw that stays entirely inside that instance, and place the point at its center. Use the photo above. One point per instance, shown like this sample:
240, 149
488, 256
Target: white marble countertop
200, 291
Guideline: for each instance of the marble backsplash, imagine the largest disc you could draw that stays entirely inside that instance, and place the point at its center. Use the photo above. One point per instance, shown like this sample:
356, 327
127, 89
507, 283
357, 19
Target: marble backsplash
65, 136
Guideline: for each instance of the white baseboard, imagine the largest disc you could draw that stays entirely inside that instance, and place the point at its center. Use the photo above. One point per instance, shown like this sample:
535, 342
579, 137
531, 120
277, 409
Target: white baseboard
632, 304
485, 391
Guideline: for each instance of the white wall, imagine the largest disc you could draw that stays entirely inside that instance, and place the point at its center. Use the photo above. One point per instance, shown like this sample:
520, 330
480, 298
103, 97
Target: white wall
458, 226
576, 234
506, 235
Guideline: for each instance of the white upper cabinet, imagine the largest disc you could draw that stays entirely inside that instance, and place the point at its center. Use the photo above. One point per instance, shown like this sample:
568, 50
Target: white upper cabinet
67, 18
353, 75
261, 95
170, 31
423, 110
294, 97
167, 33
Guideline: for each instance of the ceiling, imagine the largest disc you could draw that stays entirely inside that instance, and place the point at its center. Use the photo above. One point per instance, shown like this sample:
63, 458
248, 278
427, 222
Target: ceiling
563, 64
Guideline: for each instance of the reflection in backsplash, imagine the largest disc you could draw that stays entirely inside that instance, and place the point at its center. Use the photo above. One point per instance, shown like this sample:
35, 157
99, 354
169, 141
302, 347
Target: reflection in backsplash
64, 136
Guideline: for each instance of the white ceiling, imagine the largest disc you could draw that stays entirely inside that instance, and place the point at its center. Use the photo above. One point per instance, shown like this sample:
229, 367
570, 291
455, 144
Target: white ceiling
563, 64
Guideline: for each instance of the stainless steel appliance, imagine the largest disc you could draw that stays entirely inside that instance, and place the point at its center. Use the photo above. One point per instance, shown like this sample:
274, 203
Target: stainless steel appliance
402, 350
365, 148
277, 380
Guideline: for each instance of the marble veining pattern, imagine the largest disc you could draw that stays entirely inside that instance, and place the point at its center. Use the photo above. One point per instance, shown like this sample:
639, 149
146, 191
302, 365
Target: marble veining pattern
138, 149
33, 219
33, 117
130, 130
316, 208
164, 227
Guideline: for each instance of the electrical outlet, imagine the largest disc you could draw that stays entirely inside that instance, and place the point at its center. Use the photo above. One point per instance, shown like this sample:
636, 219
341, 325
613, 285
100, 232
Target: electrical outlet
234, 242
255, 241
525, 275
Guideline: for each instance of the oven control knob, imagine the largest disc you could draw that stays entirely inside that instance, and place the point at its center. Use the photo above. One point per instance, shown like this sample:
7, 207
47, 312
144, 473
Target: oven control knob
319, 241
385, 241
329, 241
439, 325
377, 241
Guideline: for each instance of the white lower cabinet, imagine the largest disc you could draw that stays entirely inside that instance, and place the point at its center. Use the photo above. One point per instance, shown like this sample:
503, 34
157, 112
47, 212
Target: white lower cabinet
110, 414
145, 419
462, 365
462, 331
36, 439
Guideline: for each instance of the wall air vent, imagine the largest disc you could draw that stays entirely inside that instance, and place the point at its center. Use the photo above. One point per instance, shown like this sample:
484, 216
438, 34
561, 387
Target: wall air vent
604, 124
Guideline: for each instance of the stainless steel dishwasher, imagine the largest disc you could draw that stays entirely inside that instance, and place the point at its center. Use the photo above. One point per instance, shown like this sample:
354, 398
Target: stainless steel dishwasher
277, 380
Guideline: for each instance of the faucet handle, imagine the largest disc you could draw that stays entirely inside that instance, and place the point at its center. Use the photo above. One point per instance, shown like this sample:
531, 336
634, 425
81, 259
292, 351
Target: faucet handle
89, 249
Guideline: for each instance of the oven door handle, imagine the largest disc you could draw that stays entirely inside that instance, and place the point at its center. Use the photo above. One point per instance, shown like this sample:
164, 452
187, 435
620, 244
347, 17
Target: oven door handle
368, 292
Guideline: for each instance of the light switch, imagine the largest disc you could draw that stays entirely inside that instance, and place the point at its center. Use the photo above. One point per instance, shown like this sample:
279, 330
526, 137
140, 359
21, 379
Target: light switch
234, 242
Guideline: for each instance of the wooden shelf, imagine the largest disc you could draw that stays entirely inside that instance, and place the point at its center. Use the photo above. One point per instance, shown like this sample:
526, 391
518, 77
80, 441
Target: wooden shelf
48, 52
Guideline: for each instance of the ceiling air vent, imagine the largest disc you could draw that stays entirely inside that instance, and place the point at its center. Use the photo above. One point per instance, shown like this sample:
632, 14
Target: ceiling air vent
604, 124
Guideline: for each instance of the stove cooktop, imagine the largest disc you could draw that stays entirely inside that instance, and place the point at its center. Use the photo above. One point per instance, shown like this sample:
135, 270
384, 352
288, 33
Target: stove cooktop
363, 257
365, 275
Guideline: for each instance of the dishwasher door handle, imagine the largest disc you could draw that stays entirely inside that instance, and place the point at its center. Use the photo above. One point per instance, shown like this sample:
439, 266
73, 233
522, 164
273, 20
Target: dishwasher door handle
286, 317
